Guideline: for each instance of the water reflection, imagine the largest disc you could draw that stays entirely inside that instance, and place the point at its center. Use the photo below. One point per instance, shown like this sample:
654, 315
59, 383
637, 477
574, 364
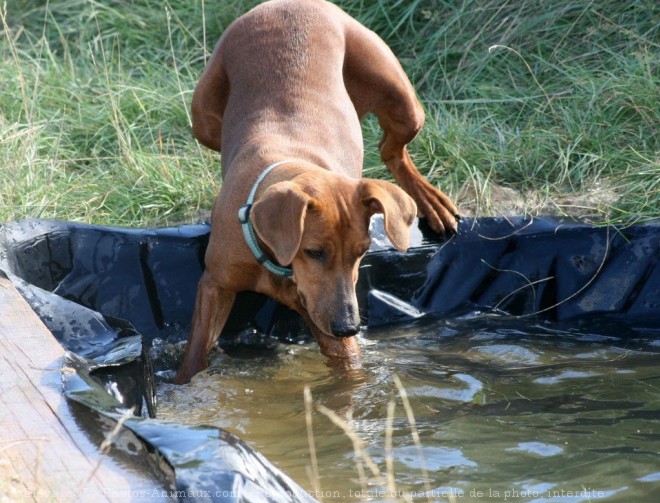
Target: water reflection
503, 407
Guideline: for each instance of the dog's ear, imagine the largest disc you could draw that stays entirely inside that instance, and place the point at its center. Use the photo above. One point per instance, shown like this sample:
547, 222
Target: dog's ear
398, 209
278, 217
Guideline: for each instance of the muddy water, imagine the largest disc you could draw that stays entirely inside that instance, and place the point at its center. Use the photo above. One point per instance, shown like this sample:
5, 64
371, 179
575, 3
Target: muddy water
505, 409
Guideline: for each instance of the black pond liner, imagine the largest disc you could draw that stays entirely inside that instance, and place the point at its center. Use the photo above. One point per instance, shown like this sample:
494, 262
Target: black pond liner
107, 293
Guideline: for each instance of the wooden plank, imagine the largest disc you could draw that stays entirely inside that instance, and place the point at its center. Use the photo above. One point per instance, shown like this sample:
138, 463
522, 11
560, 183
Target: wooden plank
44, 456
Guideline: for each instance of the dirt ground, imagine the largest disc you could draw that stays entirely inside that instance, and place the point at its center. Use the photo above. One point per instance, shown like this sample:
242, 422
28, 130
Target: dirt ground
498, 200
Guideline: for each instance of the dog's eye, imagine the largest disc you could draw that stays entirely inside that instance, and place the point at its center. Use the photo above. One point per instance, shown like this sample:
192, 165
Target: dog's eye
315, 254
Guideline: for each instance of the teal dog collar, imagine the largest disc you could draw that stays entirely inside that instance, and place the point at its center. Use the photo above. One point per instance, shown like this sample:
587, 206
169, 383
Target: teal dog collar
248, 228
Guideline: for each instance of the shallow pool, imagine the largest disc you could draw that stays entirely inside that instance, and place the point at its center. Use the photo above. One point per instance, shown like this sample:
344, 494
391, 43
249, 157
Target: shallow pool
505, 409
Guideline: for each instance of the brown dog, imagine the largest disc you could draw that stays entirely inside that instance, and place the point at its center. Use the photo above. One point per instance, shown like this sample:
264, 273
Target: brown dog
282, 98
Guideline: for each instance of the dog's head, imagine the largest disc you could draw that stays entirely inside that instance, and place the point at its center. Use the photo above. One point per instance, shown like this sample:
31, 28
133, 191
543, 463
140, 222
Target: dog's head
319, 224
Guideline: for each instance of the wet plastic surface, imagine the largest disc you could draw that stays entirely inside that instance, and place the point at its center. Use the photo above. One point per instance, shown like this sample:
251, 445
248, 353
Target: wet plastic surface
106, 293
528, 267
72, 273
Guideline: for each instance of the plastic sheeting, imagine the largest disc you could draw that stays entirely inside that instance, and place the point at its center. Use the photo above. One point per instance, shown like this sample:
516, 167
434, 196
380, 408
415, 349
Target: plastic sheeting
106, 293
528, 267
70, 274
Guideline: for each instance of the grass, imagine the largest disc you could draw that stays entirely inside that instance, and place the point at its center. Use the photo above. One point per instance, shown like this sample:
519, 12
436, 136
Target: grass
371, 478
551, 103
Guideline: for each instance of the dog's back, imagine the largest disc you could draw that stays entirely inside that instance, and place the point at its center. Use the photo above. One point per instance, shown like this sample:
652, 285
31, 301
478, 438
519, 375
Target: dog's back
284, 62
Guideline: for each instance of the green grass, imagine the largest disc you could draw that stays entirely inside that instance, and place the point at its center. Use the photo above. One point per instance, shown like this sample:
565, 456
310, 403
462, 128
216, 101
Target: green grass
564, 109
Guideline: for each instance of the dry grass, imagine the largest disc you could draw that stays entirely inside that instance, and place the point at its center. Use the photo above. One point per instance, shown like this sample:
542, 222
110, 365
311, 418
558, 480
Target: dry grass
371, 476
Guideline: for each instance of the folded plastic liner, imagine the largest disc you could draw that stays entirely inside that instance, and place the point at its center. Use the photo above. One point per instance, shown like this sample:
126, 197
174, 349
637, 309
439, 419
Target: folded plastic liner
107, 293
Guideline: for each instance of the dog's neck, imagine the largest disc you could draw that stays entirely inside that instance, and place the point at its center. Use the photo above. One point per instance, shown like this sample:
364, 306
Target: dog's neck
249, 232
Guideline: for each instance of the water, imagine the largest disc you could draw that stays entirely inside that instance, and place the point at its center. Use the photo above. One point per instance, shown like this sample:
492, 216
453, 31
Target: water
505, 409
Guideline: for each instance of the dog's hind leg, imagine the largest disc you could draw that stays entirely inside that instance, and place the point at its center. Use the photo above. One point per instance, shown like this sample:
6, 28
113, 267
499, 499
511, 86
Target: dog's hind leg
377, 83
212, 309
209, 101
432, 204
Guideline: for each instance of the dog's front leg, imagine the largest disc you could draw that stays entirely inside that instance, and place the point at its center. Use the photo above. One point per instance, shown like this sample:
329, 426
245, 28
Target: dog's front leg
212, 309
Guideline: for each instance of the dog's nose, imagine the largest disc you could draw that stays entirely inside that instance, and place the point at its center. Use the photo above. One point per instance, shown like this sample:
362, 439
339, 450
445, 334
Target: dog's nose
344, 329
